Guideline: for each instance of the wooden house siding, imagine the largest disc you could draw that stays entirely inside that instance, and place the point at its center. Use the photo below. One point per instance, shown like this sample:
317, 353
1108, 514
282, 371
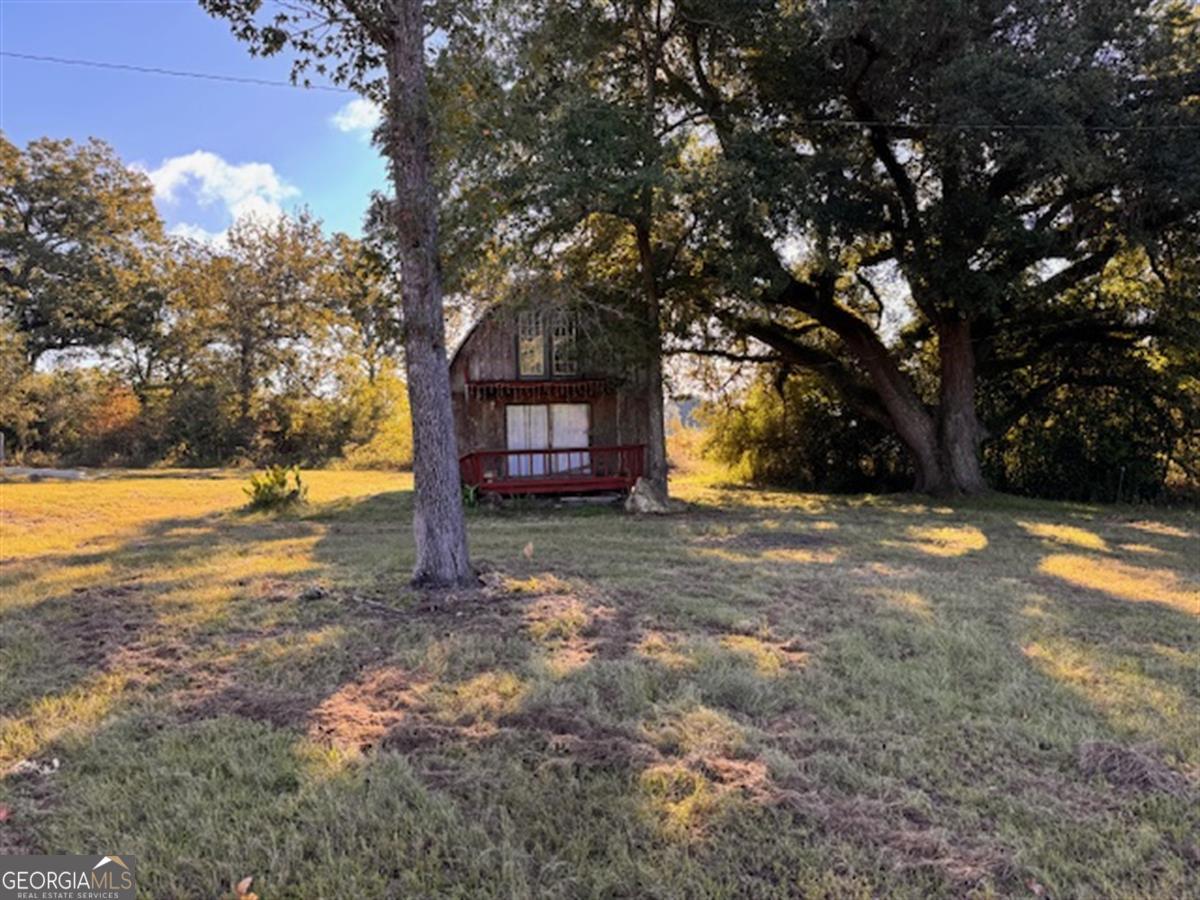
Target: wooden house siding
484, 381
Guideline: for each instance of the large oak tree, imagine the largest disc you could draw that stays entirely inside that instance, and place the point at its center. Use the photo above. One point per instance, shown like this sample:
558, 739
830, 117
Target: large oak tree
872, 178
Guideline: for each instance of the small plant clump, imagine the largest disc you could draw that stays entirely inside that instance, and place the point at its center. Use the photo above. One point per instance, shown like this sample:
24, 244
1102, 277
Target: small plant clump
278, 488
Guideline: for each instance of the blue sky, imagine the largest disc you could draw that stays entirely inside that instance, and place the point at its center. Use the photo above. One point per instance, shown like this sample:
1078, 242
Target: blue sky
213, 149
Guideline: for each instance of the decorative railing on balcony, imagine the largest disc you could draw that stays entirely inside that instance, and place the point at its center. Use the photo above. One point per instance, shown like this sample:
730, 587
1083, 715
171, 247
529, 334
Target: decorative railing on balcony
560, 470
542, 391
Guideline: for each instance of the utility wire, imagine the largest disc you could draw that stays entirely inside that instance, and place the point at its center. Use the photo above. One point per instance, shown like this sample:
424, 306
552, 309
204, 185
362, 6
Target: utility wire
814, 123
154, 70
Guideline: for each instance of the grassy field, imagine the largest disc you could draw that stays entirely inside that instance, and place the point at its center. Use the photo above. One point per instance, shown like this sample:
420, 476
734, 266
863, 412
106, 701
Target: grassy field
762, 694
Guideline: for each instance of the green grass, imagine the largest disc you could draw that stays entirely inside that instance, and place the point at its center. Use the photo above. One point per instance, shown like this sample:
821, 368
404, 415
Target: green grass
763, 694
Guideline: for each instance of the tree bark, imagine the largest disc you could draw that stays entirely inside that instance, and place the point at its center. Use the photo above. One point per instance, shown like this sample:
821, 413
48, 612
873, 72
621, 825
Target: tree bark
945, 450
439, 526
656, 436
959, 429
910, 419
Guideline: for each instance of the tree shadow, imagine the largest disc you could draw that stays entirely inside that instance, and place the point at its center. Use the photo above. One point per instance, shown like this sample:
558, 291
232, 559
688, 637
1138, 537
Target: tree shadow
618, 669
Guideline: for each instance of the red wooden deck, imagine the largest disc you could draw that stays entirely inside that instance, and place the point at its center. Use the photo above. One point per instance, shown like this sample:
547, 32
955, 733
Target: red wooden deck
562, 470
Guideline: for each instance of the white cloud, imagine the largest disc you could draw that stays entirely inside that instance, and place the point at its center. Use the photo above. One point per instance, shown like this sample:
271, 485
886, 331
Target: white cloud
200, 235
357, 115
245, 189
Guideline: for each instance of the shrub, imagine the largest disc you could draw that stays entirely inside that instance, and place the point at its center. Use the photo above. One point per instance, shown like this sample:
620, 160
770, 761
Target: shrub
389, 448
803, 437
279, 487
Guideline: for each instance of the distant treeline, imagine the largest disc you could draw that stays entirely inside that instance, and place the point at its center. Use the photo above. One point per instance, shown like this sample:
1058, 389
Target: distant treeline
120, 345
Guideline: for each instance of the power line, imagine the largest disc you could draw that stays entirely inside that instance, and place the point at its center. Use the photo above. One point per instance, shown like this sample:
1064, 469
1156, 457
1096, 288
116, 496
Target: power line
811, 123
176, 73
985, 126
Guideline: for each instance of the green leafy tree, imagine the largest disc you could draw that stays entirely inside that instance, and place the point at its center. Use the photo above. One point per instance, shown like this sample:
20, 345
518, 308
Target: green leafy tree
364, 298
78, 235
271, 301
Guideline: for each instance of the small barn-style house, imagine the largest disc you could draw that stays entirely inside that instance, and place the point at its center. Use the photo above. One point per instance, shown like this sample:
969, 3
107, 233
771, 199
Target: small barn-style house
541, 406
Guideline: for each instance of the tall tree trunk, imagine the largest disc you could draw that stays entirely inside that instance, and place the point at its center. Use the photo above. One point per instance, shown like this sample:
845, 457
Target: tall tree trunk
909, 417
439, 526
656, 436
245, 389
960, 431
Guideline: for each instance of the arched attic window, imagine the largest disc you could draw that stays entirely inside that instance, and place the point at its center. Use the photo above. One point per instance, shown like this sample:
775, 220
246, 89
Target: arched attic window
547, 344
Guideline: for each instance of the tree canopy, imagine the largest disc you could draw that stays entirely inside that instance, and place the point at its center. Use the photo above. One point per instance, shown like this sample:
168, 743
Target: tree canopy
852, 185
77, 231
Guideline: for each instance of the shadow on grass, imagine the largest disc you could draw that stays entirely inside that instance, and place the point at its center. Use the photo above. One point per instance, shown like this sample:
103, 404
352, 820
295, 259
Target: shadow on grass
619, 710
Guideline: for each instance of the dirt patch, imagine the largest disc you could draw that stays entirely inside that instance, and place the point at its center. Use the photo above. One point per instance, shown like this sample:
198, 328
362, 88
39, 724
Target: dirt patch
31, 798
146, 663
274, 590
569, 738
613, 631
746, 776
907, 841
1138, 768
279, 708
363, 712
392, 708
14, 841
884, 572
773, 540
101, 621
414, 736
483, 609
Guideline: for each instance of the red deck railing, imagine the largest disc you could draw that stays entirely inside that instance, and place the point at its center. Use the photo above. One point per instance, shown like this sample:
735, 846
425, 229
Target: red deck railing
561, 470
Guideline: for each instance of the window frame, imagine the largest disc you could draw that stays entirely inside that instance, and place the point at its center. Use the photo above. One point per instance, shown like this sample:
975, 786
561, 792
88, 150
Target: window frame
568, 322
540, 319
548, 323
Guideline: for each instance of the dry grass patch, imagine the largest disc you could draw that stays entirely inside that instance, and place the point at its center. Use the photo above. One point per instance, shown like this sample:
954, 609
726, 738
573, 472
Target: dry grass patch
1137, 768
770, 658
